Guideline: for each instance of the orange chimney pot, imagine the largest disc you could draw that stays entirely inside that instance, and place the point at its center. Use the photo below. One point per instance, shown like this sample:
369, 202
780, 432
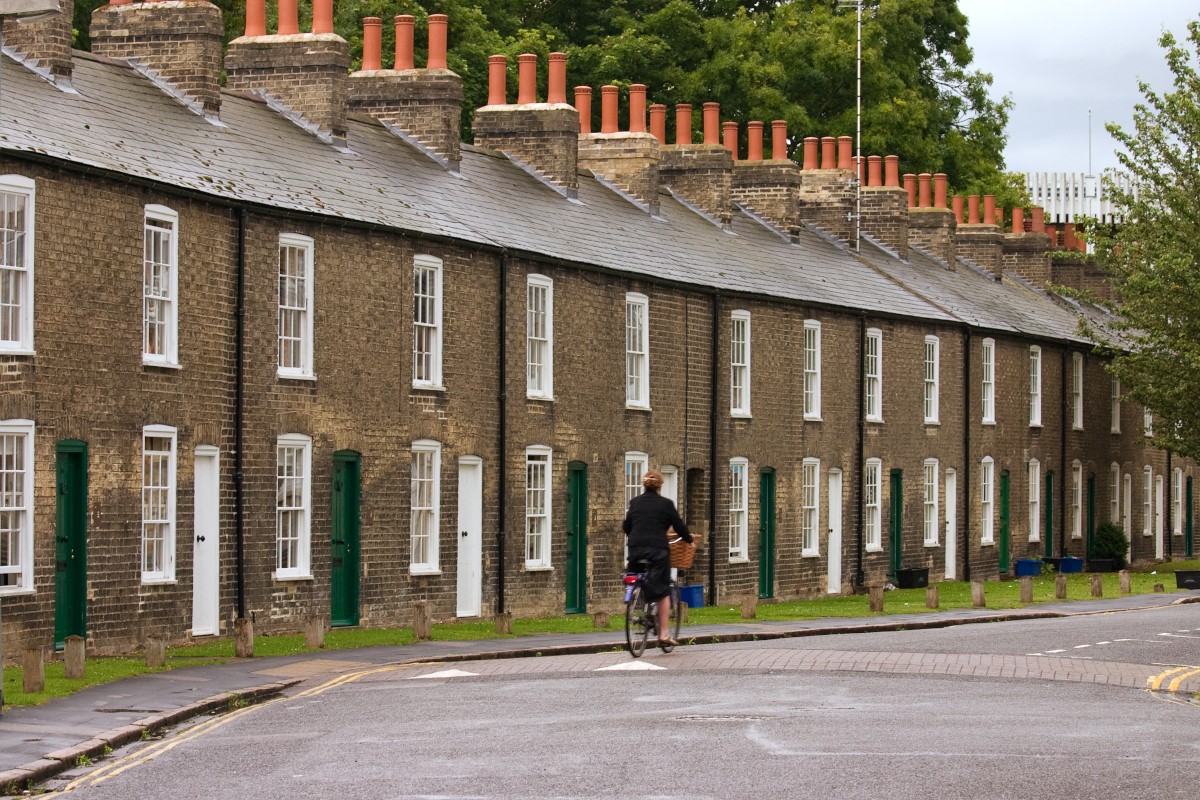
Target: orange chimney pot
583, 104
372, 44
497, 78
754, 145
437, 40
637, 108
404, 41
556, 84
712, 123
609, 96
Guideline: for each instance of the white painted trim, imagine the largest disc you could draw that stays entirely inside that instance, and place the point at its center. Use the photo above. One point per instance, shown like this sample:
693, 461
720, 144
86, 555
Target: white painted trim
1033, 476
950, 481
875, 526
1077, 391
739, 547
547, 390
432, 565
642, 401
1035, 386
544, 561
987, 501
742, 410
307, 349
813, 414
987, 369
934, 523
815, 464
424, 261
167, 574
302, 570
170, 216
934, 403
876, 335
21, 185
1076, 499
24, 585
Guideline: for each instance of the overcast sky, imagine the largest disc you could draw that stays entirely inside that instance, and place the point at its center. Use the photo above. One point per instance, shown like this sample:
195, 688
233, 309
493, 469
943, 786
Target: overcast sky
1058, 58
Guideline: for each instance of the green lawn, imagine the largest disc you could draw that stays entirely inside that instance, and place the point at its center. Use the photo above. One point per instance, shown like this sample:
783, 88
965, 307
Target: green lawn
97, 670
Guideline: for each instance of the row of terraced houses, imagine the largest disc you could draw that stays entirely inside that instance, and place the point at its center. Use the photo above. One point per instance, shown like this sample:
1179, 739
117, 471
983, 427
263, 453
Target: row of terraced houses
285, 347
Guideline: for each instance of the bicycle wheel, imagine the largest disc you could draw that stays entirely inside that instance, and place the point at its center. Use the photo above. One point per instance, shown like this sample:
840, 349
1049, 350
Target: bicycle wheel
636, 611
676, 620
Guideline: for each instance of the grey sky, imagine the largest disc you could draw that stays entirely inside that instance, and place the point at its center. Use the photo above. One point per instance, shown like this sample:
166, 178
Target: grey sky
1058, 58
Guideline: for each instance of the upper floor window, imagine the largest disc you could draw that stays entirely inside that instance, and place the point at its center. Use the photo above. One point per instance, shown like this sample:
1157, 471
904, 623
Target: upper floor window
874, 375
425, 491
158, 503
1035, 501
537, 507
16, 264
871, 502
160, 316
295, 306
1116, 404
16, 506
1035, 385
293, 505
931, 501
1077, 391
1147, 422
987, 506
932, 357
1076, 500
812, 369
539, 337
637, 355
738, 505
739, 364
810, 509
989, 382
427, 322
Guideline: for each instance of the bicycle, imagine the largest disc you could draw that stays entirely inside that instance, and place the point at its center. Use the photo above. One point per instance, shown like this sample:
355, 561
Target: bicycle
641, 616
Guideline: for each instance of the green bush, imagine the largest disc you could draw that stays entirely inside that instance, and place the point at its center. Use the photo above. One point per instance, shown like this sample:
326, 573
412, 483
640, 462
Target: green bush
1111, 542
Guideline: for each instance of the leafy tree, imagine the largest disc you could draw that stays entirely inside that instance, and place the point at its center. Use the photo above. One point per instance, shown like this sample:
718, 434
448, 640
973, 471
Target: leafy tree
1153, 257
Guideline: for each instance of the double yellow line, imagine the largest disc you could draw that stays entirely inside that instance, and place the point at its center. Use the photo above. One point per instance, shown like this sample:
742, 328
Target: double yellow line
1155, 682
155, 750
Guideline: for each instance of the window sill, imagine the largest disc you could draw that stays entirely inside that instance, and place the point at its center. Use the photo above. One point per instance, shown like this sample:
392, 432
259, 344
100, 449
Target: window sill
933, 422
538, 568
876, 420
291, 577
1076, 427
16, 351
987, 544
1115, 433
159, 582
296, 376
546, 398
161, 364
424, 571
933, 544
1076, 535
631, 407
17, 591
738, 560
428, 387
810, 418
810, 553
988, 422
874, 549
1035, 424
740, 414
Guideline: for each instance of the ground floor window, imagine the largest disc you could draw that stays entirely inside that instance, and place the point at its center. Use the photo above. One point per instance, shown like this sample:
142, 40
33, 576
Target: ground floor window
16, 506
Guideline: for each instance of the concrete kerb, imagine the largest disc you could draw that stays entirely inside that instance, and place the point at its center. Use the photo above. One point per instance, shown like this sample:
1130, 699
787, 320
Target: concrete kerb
34, 772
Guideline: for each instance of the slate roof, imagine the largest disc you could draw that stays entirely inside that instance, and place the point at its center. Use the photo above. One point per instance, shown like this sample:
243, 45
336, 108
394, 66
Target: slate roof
121, 122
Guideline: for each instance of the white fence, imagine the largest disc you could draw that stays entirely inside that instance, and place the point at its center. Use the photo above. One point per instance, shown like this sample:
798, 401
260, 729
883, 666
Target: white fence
1067, 195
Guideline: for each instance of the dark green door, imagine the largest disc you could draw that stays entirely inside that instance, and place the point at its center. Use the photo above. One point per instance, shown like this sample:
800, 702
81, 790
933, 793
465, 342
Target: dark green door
70, 548
1091, 514
343, 580
576, 537
1049, 550
1187, 541
896, 523
766, 533
1004, 521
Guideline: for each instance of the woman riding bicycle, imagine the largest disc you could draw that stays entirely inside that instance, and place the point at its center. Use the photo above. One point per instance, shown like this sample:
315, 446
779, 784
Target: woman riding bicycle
649, 517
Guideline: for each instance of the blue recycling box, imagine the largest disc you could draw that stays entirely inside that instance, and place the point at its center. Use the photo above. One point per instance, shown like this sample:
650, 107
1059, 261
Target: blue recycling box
1069, 564
692, 595
1028, 567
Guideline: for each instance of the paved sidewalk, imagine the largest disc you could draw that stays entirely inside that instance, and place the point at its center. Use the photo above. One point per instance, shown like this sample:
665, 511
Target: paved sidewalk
28, 733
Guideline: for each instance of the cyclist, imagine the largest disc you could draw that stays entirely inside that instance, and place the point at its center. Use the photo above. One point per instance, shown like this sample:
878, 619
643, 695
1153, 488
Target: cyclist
649, 517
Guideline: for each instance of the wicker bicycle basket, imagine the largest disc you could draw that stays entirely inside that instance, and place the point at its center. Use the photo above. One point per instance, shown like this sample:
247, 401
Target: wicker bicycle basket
682, 553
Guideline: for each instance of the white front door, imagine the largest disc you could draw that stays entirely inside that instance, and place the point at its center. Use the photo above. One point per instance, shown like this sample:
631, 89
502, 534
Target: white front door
1159, 548
470, 536
206, 544
835, 531
951, 524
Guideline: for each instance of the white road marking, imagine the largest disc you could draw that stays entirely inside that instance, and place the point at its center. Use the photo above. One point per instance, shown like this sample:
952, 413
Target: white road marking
1079, 646
1103, 642
446, 673
1056, 651
630, 665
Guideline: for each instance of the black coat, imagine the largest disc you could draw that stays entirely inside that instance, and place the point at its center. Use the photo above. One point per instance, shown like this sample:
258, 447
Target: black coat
649, 516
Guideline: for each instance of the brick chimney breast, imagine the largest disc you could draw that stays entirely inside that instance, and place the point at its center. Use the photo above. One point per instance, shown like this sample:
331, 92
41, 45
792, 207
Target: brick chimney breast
934, 230
178, 39
46, 40
627, 159
702, 175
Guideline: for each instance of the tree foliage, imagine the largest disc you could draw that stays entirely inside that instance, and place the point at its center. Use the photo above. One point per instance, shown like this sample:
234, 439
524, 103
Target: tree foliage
760, 59
1153, 257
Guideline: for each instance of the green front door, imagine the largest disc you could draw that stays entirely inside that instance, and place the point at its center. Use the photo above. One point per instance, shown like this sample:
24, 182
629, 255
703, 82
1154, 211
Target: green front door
1049, 550
70, 548
896, 523
1091, 515
576, 538
1004, 521
766, 534
1187, 531
343, 580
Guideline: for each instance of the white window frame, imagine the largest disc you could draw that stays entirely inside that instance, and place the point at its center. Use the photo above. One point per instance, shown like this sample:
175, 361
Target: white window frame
812, 369
23, 569
1127, 520
301, 570
1115, 411
431, 564
305, 371
23, 344
170, 356
167, 573
987, 505
1076, 500
436, 326
543, 390
540, 454
1114, 493
810, 507
1077, 391
636, 465
1177, 502
1158, 506
638, 397
739, 509
1147, 500
1147, 422
873, 379
872, 500
1035, 386
988, 368
739, 372
1034, 476
930, 501
933, 370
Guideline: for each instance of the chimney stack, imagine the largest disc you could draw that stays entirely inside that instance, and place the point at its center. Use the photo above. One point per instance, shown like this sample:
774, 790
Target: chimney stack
933, 229
982, 241
699, 173
44, 40
1026, 253
181, 41
885, 206
627, 159
424, 103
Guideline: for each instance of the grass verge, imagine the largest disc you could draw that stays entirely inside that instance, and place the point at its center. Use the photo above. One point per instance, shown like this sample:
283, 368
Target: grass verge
97, 670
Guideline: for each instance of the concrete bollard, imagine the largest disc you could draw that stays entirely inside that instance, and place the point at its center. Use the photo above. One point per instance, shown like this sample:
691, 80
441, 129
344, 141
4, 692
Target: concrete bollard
314, 631
33, 670
504, 622
1126, 581
875, 598
1027, 589
750, 605
1060, 586
243, 638
601, 619
422, 620
156, 651
1097, 585
1159, 588
76, 653
931, 596
978, 599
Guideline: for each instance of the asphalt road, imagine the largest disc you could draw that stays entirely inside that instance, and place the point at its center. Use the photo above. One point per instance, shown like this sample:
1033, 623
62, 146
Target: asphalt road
715, 732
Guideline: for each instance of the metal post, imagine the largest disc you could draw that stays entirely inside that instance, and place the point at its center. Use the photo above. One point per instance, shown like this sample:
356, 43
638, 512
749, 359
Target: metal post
858, 134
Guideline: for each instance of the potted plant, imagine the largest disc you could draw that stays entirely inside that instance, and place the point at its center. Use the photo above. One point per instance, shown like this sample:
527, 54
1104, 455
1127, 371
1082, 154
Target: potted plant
1108, 548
